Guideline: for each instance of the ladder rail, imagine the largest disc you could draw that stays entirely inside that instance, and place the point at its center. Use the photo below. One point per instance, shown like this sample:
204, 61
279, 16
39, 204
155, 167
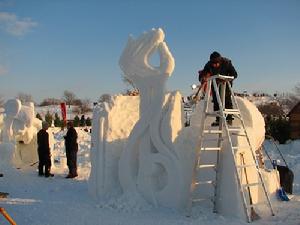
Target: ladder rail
252, 154
199, 145
231, 147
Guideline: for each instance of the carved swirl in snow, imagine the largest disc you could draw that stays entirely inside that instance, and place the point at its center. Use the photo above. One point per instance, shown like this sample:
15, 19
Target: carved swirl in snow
148, 164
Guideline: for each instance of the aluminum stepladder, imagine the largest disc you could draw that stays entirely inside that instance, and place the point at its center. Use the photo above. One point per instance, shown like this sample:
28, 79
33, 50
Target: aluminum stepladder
225, 133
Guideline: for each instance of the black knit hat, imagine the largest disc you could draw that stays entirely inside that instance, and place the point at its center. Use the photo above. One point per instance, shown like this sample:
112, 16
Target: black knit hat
214, 56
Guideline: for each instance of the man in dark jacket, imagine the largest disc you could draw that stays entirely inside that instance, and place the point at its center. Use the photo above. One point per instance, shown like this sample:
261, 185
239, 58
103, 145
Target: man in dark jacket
44, 151
71, 150
223, 66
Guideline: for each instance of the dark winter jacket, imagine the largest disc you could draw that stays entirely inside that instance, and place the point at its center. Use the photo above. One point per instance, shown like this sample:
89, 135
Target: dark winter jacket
226, 69
43, 144
71, 140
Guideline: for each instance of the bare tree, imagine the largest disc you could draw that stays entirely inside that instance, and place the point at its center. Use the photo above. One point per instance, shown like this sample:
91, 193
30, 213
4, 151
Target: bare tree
271, 109
23, 97
132, 90
104, 98
85, 106
128, 82
76, 110
50, 101
69, 97
297, 91
1, 101
293, 98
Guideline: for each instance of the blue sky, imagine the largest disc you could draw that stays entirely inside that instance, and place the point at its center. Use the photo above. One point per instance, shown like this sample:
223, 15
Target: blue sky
48, 46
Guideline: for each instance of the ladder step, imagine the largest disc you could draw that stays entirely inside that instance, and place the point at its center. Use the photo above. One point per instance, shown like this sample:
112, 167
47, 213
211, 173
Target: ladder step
212, 131
252, 184
245, 166
205, 182
232, 111
202, 199
212, 114
213, 139
239, 134
236, 129
207, 166
210, 149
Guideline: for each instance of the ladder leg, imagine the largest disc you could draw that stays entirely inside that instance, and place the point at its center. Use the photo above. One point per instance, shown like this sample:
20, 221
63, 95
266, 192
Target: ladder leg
253, 156
7, 216
253, 215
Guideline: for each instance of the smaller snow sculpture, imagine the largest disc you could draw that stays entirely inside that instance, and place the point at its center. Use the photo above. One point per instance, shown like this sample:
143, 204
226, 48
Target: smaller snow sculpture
12, 108
19, 128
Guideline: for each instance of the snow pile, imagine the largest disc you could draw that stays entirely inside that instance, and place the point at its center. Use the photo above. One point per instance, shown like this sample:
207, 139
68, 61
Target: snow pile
261, 100
290, 152
59, 160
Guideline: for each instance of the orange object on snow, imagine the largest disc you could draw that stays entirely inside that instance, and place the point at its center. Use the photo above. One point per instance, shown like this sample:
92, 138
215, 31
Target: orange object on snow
7, 216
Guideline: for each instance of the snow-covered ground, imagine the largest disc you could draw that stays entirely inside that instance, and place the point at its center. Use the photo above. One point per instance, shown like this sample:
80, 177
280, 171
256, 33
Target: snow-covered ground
37, 200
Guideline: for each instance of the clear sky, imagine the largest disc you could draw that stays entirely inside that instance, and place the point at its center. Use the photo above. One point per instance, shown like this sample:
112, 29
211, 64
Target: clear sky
48, 46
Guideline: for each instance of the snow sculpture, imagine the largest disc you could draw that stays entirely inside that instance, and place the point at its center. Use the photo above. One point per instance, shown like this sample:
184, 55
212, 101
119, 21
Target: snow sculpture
149, 165
139, 144
133, 136
19, 128
12, 108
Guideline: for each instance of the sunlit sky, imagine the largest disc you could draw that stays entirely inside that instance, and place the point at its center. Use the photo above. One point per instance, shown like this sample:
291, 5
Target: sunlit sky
48, 46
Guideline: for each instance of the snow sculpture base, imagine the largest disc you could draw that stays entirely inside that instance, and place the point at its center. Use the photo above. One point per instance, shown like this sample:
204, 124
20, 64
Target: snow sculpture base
7, 153
112, 126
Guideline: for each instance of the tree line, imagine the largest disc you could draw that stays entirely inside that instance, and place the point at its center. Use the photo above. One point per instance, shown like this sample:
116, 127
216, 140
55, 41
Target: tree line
58, 122
275, 114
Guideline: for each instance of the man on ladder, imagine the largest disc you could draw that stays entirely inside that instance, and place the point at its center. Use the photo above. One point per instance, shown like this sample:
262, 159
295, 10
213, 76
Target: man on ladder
219, 65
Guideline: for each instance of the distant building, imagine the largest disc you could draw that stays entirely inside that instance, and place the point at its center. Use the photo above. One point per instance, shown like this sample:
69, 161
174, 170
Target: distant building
294, 116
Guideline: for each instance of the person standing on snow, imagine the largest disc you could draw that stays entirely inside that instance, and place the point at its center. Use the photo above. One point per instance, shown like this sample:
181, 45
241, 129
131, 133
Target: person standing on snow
71, 150
44, 151
223, 66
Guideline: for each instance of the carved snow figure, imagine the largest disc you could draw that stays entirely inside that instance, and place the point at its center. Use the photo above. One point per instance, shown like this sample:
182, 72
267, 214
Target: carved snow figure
19, 131
148, 164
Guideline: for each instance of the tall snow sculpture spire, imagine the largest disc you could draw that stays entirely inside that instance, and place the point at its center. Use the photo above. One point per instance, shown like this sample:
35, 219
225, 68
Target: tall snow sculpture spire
148, 164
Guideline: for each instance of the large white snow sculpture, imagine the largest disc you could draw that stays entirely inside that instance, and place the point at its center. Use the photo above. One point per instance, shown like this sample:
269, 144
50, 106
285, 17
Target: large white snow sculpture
149, 165
139, 143
19, 129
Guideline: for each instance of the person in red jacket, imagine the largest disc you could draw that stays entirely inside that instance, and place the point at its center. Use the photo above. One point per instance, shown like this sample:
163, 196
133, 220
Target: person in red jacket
223, 66
44, 151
